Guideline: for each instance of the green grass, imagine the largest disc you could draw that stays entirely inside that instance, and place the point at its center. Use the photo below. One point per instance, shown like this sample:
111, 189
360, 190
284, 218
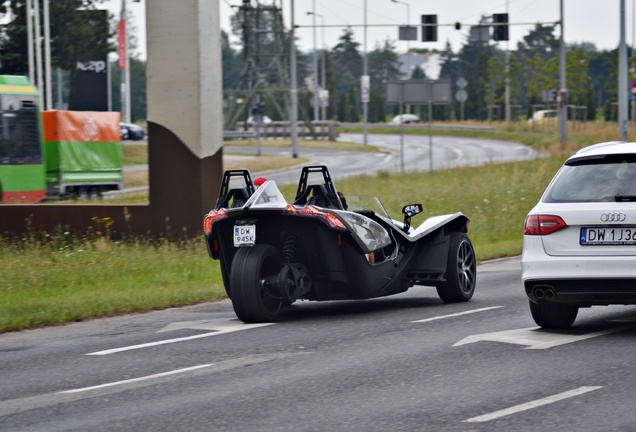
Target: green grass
65, 280
55, 278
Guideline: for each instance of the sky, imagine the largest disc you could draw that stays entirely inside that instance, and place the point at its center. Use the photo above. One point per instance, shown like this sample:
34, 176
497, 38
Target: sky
595, 21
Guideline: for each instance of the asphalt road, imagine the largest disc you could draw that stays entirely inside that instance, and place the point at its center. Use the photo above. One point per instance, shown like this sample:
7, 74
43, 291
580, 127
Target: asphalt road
401, 363
399, 154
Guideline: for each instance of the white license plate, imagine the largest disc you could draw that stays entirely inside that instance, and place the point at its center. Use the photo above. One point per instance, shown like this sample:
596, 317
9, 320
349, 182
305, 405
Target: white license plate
244, 235
608, 236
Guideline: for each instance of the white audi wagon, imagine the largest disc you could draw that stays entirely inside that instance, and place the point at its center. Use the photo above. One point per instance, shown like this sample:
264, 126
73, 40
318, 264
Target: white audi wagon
579, 244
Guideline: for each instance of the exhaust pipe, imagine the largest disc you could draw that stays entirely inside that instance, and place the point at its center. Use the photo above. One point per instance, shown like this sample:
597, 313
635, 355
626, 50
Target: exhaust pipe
549, 294
539, 294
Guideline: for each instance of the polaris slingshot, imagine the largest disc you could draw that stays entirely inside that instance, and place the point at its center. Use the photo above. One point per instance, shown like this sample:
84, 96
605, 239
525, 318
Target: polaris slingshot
273, 253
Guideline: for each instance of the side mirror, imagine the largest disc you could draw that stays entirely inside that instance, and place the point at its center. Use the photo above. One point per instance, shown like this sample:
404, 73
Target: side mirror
409, 211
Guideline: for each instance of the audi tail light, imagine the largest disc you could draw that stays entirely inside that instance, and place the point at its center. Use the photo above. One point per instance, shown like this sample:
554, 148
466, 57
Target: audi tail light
312, 211
210, 218
543, 224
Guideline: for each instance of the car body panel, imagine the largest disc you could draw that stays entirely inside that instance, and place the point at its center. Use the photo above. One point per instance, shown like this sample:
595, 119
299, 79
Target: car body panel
566, 241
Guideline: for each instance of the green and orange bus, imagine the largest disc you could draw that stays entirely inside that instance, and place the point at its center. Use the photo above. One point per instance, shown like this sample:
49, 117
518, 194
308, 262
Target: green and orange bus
22, 172
55, 153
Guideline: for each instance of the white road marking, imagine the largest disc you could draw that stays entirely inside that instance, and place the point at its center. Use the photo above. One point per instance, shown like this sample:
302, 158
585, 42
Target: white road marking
220, 327
531, 405
537, 338
456, 314
133, 380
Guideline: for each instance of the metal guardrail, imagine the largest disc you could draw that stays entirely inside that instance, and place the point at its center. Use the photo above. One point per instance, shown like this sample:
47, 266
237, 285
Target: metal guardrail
229, 135
423, 126
282, 129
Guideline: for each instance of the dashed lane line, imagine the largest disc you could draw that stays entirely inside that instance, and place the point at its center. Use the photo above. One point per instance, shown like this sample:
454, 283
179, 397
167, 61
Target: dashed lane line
457, 314
530, 405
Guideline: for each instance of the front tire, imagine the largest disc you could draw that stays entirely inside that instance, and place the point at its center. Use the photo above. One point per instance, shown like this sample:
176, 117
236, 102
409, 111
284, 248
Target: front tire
553, 315
461, 270
253, 298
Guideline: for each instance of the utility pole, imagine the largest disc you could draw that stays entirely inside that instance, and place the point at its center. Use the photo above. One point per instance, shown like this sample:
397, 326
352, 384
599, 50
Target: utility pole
293, 115
29, 18
508, 113
315, 67
323, 79
563, 107
38, 51
47, 57
622, 78
365, 103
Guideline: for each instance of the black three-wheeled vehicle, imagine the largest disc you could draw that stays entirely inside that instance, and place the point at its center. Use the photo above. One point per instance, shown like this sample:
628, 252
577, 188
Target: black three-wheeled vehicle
273, 253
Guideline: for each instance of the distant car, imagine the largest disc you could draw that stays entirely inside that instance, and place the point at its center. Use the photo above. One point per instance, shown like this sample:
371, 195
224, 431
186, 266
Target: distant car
131, 132
405, 119
542, 115
579, 243
250, 120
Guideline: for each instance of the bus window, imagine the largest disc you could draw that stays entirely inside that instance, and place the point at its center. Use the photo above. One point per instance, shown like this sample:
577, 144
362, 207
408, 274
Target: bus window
19, 130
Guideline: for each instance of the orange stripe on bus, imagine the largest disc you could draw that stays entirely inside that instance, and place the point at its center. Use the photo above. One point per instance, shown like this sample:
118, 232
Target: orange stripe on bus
81, 126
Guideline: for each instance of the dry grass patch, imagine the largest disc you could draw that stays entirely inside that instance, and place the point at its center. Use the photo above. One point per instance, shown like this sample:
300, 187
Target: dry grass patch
135, 178
135, 154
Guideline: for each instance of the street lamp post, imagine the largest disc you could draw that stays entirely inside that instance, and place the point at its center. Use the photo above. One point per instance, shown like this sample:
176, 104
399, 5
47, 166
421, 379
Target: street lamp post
315, 66
293, 115
323, 78
563, 108
365, 103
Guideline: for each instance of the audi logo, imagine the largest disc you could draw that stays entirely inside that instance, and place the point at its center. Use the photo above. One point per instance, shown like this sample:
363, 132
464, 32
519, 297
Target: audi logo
613, 217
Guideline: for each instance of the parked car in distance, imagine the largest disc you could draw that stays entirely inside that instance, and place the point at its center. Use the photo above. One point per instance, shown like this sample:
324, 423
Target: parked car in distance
405, 119
543, 115
250, 120
579, 245
131, 132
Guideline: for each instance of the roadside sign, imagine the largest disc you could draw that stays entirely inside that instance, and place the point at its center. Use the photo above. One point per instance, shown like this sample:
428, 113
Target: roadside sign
632, 90
461, 96
365, 84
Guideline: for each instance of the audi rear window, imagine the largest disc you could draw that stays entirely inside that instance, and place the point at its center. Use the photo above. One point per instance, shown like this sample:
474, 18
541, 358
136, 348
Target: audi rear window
607, 178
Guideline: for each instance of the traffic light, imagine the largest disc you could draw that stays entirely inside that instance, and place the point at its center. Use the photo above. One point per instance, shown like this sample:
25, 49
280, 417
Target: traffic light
500, 30
429, 32
258, 107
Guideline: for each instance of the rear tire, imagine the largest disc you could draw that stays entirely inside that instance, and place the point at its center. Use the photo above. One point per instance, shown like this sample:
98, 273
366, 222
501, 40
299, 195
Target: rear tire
461, 270
553, 315
252, 299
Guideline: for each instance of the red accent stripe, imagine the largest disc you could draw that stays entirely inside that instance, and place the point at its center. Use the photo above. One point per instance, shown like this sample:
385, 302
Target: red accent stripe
23, 197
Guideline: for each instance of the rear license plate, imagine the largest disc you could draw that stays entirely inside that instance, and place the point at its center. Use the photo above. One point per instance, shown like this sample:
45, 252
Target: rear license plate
244, 235
608, 236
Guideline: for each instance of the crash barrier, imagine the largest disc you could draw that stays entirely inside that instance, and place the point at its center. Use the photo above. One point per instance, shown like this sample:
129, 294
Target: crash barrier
326, 130
421, 125
230, 135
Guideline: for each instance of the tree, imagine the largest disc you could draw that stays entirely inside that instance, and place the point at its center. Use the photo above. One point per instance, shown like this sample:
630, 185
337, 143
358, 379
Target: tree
347, 62
73, 37
138, 107
418, 73
540, 41
384, 64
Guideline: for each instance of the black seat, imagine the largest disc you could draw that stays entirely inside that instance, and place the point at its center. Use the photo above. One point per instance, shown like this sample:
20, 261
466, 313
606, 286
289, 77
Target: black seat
321, 197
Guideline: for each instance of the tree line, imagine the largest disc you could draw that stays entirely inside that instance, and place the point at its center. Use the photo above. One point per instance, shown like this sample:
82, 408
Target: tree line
532, 68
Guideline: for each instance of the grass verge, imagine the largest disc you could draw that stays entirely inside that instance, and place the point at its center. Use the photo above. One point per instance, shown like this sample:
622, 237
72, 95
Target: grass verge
54, 278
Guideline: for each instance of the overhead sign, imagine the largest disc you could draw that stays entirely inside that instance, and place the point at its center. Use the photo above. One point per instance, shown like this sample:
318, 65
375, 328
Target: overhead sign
407, 33
415, 92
